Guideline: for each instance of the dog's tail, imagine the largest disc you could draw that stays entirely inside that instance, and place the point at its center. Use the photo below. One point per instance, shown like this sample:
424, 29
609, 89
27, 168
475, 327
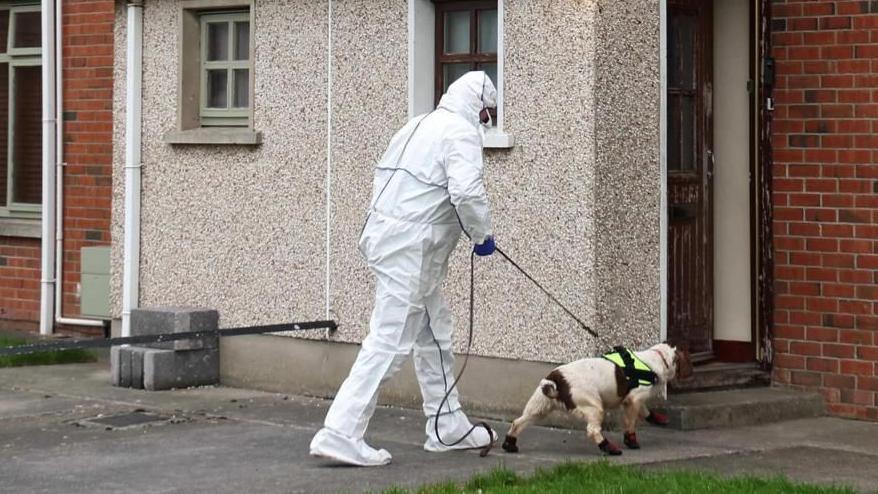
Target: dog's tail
549, 388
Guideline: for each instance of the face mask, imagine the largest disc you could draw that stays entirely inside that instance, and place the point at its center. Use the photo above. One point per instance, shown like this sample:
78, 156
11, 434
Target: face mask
488, 123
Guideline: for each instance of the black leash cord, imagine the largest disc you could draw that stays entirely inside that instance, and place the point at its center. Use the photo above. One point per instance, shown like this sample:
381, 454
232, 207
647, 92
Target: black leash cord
548, 294
469, 343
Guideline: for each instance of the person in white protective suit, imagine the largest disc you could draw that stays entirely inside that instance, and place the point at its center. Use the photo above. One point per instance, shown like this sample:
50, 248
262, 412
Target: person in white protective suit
427, 190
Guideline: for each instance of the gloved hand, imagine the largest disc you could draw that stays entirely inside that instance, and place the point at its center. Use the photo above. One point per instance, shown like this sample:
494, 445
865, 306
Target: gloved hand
485, 249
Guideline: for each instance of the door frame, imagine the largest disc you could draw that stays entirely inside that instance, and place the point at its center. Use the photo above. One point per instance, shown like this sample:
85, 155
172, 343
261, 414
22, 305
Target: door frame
762, 173
761, 262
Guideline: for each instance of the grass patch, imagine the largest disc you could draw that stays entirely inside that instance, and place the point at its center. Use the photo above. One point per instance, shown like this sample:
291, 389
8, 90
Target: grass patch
73, 356
602, 477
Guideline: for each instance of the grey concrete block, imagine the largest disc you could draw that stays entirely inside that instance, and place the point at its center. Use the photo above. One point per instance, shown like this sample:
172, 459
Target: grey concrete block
126, 366
124, 360
115, 368
137, 353
169, 369
167, 320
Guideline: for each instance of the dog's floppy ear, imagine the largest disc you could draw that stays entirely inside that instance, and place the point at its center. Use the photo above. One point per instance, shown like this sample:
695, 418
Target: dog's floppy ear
683, 346
683, 363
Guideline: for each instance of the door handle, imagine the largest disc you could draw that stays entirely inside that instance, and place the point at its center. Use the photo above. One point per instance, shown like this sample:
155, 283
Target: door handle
711, 164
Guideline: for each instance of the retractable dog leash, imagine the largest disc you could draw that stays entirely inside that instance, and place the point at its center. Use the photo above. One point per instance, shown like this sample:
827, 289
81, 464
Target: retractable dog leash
469, 342
584, 326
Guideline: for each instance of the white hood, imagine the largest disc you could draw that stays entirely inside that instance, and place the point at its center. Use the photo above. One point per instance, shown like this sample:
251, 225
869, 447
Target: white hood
468, 95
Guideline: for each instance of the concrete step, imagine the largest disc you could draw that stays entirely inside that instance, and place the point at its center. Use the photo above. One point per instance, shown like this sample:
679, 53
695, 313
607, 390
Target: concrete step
739, 407
706, 410
717, 375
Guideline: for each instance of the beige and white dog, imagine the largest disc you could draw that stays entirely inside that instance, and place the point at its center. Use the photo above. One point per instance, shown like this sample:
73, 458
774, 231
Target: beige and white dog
588, 387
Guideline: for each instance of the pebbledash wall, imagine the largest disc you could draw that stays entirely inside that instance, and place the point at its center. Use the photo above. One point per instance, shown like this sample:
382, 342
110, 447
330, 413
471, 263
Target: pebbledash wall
826, 202
576, 200
88, 123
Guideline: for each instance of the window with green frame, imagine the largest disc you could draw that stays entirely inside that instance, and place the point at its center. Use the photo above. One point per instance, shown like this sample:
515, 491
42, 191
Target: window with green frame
225, 69
21, 171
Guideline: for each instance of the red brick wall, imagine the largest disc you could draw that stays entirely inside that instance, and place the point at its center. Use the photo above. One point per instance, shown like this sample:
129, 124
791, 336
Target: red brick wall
88, 134
88, 129
826, 201
19, 279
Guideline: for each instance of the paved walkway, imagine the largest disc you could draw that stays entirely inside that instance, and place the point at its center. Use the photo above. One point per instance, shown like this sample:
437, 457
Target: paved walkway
234, 440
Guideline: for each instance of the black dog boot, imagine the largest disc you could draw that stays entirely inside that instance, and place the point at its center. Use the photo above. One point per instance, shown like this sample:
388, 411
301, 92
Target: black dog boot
510, 444
630, 440
656, 418
609, 448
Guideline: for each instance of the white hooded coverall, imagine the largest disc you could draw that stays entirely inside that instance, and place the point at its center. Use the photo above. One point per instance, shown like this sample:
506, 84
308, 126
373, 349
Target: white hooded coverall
427, 186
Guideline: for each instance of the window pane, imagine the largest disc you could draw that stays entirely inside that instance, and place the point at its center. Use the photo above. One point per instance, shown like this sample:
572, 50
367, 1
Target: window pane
687, 133
217, 88
673, 132
242, 88
673, 53
27, 30
217, 41
488, 31
27, 136
452, 72
687, 51
491, 70
681, 51
457, 27
242, 41
4, 124
4, 37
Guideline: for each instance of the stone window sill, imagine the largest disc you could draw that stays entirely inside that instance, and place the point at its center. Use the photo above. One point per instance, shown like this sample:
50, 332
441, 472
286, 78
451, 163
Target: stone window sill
234, 136
496, 139
18, 227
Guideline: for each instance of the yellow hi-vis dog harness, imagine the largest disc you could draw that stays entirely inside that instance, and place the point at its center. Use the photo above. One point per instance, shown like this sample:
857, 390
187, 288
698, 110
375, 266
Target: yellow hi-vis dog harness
636, 372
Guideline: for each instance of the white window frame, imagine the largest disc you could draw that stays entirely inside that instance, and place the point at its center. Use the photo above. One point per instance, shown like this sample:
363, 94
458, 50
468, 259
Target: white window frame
16, 207
13, 12
421, 68
16, 57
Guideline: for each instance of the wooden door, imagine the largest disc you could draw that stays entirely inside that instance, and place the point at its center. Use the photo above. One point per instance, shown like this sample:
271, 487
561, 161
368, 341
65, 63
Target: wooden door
690, 169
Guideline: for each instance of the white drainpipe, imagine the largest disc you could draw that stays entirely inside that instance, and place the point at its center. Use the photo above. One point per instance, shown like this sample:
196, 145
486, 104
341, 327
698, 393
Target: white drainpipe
47, 253
328, 246
58, 276
133, 93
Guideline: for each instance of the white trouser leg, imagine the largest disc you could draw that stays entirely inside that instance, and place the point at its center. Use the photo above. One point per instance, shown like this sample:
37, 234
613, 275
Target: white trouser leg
432, 377
355, 401
395, 323
453, 423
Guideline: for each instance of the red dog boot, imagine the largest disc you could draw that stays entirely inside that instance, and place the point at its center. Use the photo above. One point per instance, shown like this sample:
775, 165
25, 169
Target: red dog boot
656, 418
609, 448
630, 440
